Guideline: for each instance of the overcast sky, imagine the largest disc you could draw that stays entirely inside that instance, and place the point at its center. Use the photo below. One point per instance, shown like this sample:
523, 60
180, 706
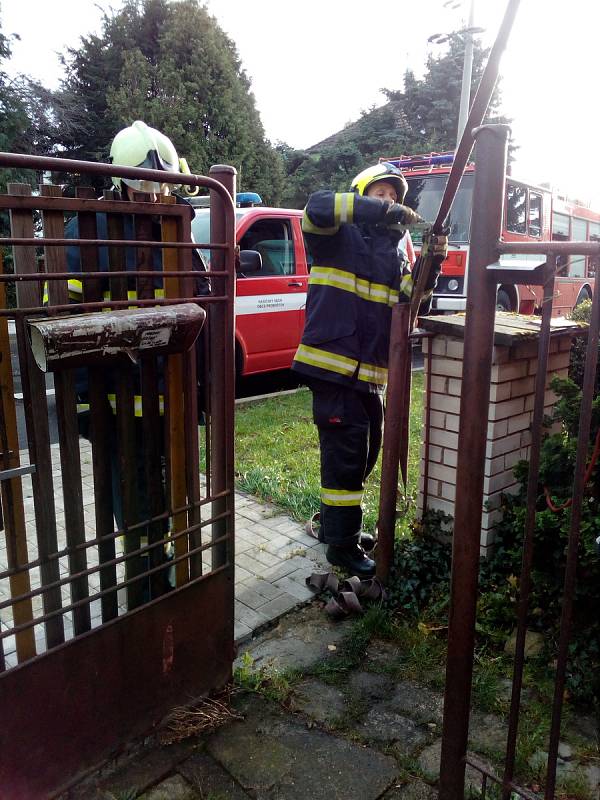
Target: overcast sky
316, 64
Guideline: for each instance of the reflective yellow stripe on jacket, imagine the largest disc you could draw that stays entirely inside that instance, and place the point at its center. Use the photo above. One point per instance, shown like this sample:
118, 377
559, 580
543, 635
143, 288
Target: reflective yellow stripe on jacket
370, 373
75, 288
340, 497
406, 285
137, 404
324, 359
348, 282
343, 212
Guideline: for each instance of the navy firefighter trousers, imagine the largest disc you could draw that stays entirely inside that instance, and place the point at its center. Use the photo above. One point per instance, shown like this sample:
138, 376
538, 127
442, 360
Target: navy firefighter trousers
350, 425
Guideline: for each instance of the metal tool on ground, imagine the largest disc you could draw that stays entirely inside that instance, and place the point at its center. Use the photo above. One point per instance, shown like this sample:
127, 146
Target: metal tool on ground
396, 433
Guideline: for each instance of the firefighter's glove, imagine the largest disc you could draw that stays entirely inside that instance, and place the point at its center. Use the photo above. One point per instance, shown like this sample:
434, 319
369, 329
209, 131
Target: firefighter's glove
435, 246
397, 214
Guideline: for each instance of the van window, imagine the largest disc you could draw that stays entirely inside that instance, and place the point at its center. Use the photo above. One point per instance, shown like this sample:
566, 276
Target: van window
272, 238
534, 227
516, 208
579, 234
593, 260
201, 229
560, 233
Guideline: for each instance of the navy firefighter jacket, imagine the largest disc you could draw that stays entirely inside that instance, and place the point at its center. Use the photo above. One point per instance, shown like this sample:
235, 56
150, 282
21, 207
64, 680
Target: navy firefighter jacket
356, 277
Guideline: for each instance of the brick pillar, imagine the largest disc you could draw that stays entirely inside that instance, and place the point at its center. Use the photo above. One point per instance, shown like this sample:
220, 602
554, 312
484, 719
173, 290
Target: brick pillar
509, 418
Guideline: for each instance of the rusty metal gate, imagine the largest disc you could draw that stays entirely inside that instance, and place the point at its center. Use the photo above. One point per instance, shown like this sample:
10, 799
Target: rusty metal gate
485, 273
106, 626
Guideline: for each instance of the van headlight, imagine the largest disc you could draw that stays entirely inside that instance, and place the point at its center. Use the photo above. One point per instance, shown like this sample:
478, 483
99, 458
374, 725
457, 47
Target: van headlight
452, 284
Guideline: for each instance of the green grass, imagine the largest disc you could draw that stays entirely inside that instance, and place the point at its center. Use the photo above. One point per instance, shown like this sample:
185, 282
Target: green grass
274, 684
277, 455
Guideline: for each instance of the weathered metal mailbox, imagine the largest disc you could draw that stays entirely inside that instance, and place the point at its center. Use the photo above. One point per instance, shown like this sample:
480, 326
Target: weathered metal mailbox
62, 342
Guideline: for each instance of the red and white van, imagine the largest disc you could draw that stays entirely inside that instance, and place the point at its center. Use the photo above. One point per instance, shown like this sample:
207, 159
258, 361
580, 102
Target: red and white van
270, 302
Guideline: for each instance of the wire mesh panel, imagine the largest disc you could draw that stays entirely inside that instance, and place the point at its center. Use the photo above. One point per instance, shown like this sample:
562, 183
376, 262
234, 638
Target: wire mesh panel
116, 551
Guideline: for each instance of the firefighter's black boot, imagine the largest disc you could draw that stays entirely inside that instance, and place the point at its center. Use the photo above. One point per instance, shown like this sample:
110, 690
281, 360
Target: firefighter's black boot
313, 528
367, 542
353, 559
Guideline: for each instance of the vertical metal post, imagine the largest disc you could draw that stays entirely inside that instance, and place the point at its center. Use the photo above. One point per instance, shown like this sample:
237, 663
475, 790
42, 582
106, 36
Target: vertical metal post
532, 492
11, 495
395, 426
488, 195
66, 417
222, 360
566, 619
36, 419
100, 424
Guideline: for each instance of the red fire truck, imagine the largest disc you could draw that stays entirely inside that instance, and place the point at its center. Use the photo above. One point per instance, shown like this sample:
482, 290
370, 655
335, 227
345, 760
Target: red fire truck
271, 286
530, 213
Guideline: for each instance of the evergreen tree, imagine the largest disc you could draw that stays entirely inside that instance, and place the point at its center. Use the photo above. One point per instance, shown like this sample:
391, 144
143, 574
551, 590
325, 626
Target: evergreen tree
169, 64
29, 117
15, 135
432, 104
423, 117
14, 120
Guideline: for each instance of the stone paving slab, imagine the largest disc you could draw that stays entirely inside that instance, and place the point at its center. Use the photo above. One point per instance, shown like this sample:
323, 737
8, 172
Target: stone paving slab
206, 776
299, 641
274, 555
384, 725
368, 736
275, 757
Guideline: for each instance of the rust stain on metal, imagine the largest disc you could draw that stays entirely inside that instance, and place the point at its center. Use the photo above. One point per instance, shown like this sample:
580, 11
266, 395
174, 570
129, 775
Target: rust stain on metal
168, 650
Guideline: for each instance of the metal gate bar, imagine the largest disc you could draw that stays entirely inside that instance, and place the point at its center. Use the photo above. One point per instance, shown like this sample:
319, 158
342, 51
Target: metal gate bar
36, 414
105, 538
485, 272
11, 496
66, 410
585, 419
477, 360
150, 648
528, 538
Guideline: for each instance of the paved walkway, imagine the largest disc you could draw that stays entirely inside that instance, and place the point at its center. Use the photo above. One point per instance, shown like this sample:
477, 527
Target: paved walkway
344, 728
273, 557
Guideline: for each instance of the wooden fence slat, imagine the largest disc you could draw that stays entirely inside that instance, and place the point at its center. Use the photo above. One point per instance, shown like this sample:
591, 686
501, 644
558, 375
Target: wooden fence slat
36, 415
100, 425
177, 420
66, 415
125, 397
153, 427
12, 495
190, 393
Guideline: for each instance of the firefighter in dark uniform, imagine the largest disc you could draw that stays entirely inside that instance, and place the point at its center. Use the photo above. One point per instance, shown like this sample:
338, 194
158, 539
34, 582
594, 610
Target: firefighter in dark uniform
358, 274
138, 145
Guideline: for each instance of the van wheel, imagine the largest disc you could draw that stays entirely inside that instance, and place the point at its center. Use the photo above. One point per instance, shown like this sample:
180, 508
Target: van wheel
503, 301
